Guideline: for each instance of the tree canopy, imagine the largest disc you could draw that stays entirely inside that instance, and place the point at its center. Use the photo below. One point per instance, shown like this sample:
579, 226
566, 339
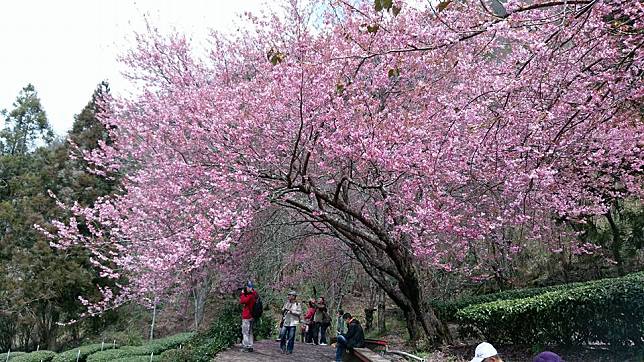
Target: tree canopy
451, 138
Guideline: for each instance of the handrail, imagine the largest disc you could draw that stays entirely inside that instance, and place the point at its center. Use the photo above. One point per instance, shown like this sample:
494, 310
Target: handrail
405, 354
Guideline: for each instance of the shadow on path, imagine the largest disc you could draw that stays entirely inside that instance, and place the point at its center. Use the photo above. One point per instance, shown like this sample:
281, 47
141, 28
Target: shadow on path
269, 350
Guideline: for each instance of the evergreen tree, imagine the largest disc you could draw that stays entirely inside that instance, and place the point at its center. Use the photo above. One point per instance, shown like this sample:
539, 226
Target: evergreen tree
25, 125
40, 285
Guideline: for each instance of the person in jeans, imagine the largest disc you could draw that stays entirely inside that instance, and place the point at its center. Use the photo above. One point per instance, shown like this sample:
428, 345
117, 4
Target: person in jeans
291, 312
354, 338
321, 321
247, 298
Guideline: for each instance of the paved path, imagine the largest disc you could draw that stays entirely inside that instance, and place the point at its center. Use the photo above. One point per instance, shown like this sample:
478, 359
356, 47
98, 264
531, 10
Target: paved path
268, 350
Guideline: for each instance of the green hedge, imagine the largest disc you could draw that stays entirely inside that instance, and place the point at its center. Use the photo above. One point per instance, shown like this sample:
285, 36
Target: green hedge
159, 345
36, 356
608, 310
223, 333
108, 355
138, 359
446, 311
12, 355
156, 346
70, 355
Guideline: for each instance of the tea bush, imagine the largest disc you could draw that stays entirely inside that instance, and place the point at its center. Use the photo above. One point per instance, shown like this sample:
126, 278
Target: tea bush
36, 356
608, 311
446, 311
70, 355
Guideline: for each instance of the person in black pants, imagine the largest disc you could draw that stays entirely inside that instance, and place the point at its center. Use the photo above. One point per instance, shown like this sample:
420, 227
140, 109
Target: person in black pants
354, 338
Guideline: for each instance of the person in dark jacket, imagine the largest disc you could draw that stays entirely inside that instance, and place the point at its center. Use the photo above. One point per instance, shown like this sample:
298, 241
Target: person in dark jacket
247, 298
354, 338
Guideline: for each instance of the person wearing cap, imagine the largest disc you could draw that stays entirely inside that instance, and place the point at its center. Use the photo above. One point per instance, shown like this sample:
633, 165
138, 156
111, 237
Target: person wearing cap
547, 356
291, 312
247, 298
485, 352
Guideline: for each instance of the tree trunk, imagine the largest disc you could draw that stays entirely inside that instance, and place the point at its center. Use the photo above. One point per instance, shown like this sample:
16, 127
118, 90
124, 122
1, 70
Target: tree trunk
388, 261
405, 290
616, 245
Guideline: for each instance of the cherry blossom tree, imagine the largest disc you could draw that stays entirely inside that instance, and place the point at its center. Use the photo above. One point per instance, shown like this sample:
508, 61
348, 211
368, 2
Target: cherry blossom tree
414, 134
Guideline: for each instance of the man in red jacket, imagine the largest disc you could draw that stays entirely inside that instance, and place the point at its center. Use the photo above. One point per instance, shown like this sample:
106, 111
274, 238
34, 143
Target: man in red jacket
247, 298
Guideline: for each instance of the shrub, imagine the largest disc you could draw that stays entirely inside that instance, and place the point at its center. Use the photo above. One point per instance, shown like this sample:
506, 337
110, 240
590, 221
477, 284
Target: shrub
446, 311
108, 355
138, 359
159, 345
12, 355
156, 346
609, 311
70, 355
223, 333
175, 355
37, 356
127, 337
264, 328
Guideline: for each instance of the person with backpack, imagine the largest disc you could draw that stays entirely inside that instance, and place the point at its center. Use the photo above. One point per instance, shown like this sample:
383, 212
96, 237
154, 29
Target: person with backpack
291, 312
248, 298
354, 338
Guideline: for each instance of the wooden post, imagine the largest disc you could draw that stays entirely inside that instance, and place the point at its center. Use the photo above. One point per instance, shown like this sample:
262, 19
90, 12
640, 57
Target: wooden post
381, 312
102, 345
78, 355
8, 353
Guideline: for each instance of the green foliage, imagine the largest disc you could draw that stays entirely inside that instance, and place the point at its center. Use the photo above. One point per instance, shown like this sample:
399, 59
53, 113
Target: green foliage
156, 346
108, 355
25, 125
40, 285
12, 355
138, 359
264, 328
159, 345
37, 356
127, 337
608, 310
224, 332
87, 350
446, 311
175, 355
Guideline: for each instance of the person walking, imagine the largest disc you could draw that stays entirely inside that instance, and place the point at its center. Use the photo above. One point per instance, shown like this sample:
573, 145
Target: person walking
247, 298
291, 312
354, 338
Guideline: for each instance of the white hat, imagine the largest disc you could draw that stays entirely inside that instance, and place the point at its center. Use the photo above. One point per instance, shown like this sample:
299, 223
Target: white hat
483, 351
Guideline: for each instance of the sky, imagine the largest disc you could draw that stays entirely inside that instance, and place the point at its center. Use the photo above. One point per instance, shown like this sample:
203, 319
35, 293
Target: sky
66, 47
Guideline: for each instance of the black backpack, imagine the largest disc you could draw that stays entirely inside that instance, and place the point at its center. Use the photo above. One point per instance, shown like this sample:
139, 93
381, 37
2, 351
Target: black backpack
258, 308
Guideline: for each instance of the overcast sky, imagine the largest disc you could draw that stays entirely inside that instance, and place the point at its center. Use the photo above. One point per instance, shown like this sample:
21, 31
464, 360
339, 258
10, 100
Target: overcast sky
66, 47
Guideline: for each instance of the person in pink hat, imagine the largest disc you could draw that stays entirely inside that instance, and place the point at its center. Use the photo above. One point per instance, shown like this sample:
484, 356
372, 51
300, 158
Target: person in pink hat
485, 352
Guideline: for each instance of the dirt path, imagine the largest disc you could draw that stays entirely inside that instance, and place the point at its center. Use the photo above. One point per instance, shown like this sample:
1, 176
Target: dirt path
268, 350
